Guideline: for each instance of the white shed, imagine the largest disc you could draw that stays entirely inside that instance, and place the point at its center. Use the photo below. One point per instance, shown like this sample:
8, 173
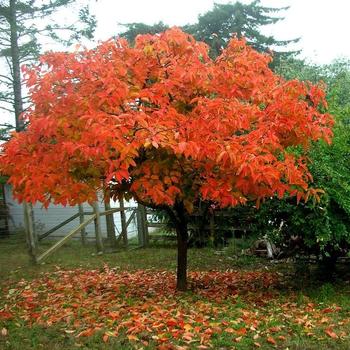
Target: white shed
45, 219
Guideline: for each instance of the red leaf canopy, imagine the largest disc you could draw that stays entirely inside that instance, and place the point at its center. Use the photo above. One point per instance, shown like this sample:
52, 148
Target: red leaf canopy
163, 122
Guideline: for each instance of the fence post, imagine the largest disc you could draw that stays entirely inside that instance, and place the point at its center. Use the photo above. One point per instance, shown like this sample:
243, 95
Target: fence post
140, 226
110, 227
212, 228
123, 221
81, 220
145, 226
98, 231
30, 230
4, 211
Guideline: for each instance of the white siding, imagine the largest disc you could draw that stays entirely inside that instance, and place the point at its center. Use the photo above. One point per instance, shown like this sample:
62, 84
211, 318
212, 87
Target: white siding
46, 219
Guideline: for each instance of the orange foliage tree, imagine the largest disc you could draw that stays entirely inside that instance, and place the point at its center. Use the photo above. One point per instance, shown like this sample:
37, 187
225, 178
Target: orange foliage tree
165, 124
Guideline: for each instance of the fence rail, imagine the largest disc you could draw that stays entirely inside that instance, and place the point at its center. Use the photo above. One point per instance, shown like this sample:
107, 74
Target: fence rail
52, 230
65, 239
139, 214
86, 218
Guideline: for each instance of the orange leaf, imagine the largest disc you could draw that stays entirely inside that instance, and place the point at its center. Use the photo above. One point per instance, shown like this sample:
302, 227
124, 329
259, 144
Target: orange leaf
331, 333
275, 329
171, 322
87, 333
241, 331
132, 337
230, 330
187, 327
271, 340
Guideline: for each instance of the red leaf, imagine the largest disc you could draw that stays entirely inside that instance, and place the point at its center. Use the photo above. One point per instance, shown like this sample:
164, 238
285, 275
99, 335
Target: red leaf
5, 315
241, 331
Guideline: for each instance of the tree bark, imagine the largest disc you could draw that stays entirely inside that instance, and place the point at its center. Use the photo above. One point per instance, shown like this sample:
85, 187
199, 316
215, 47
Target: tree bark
178, 216
16, 69
110, 227
18, 101
182, 240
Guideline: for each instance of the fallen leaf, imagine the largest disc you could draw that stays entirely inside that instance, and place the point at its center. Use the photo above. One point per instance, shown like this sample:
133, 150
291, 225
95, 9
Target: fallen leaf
330, 333
187, 327
271, 340
87, 333
171, 322
132, 337
230, 330
5, 315
241, 331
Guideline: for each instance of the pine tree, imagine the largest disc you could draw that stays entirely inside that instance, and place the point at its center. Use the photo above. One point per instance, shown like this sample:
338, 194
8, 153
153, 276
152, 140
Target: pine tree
216, 27
134, 29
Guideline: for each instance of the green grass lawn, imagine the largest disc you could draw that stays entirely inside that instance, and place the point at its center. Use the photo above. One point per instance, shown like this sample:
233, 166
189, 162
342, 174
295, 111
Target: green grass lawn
126, 300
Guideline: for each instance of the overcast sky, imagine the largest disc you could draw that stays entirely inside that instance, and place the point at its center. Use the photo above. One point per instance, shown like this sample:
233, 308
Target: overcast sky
323, 25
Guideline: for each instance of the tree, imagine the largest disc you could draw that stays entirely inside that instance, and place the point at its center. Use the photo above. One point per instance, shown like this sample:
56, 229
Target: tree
216, 27
21, 29
135, 29
294, 68
165, 124
322, 228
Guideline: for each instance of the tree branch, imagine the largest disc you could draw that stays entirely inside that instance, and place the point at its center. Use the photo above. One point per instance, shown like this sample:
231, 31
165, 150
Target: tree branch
6, 109
7, 78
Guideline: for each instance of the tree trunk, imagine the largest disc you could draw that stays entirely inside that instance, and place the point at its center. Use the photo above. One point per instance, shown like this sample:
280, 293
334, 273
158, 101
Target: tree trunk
16, 69
178, 216
327, 267
182, 240
18, 103
110, 227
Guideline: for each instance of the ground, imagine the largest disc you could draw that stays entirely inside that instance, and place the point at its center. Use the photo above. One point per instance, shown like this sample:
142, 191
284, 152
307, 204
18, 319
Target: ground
127, 300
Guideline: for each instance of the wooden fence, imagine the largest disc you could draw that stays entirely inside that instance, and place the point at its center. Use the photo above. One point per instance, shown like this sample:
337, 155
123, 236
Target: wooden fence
85, 218
214, 225
140, 213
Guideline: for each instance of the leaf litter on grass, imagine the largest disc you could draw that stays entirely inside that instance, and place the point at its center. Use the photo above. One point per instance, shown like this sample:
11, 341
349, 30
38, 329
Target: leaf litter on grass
144, 307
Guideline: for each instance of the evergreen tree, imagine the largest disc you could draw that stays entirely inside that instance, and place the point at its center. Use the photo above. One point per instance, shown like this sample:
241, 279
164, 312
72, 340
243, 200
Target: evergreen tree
216, 27
134, 29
